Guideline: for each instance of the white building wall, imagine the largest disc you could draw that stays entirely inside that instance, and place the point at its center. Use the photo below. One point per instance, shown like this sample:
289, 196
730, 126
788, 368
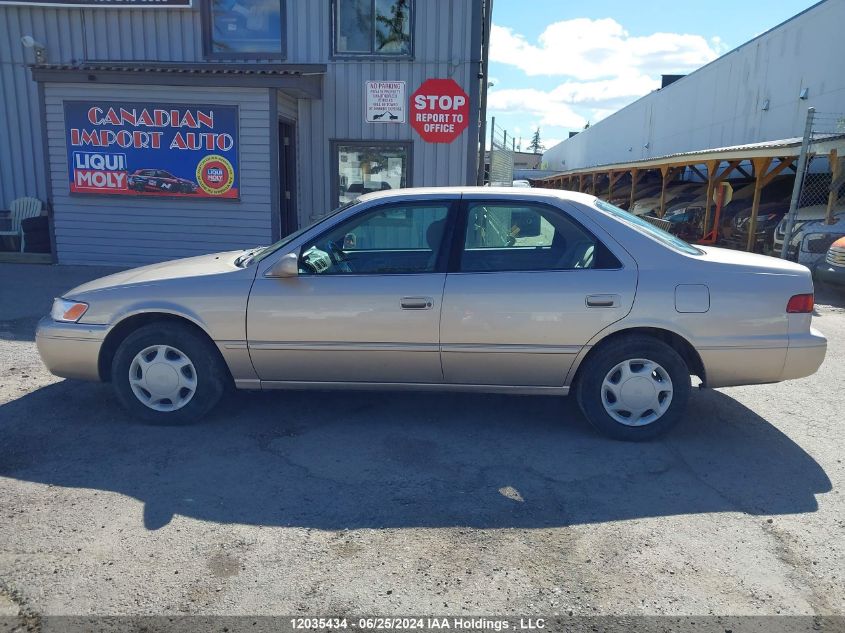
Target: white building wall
721, 104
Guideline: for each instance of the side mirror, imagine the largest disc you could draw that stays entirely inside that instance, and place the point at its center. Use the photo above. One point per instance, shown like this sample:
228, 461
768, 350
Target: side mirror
287, 266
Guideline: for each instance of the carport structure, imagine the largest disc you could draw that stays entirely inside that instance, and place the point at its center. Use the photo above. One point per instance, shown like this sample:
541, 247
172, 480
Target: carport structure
761, 161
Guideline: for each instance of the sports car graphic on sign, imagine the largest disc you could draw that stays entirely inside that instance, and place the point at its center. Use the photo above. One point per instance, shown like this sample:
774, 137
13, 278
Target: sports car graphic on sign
160, 180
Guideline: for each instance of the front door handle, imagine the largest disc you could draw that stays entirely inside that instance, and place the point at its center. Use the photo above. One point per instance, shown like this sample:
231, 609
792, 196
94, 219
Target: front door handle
602, 301
416, 303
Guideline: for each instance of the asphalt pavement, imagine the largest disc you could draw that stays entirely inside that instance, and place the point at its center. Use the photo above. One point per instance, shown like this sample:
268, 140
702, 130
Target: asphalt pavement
363, 503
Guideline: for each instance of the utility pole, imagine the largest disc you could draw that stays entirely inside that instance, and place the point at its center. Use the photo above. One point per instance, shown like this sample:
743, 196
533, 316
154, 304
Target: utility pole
799, 183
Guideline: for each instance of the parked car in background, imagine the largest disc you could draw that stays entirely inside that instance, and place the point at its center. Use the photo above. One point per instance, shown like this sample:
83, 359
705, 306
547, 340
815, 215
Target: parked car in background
160, 181
768, 216
832, 270
810, 246
531, 291
802, 216
521, 184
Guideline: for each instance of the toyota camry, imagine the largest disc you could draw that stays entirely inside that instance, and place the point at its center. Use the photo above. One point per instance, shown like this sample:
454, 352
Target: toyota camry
523, 291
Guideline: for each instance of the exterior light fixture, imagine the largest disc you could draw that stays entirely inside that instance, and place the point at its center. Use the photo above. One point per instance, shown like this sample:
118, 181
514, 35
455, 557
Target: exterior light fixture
647, 145
765, 107
805, 92
40, 50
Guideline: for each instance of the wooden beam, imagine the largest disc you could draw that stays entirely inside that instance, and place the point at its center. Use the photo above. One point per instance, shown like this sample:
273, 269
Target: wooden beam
613, 178
636, 174
698, 172
712, 168
784, 163
761, 166
835, 172
668, 173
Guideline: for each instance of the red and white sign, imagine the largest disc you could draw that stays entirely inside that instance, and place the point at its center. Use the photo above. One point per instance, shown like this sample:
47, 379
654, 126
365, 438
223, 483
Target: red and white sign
439, 110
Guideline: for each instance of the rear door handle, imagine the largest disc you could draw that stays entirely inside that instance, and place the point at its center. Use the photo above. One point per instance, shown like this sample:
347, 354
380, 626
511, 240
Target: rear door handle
416, 303
602, 301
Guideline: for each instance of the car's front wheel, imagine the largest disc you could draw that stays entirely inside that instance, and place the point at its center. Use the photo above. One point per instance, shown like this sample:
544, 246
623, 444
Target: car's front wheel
167, 373
633, 388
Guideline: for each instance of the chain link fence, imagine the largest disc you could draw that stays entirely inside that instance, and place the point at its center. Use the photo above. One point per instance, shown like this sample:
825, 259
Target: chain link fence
501, 157
817, 211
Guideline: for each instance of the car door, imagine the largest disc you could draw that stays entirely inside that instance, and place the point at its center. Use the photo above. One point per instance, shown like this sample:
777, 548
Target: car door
365, 306
528, 286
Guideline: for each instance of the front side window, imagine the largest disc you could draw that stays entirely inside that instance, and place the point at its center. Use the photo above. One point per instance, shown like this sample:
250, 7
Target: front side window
372, 27
524, 237
244, 28
394, 239
364, 168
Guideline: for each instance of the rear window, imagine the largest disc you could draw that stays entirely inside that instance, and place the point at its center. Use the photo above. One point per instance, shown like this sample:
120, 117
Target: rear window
648, 229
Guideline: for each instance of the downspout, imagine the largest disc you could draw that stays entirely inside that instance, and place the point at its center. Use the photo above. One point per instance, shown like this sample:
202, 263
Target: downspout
487, 20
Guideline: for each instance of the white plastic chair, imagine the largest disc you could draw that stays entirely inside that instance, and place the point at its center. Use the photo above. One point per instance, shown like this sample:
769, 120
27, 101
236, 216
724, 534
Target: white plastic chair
21, 209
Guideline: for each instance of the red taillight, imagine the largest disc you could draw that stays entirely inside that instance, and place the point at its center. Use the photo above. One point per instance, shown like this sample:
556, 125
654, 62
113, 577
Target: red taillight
800, 304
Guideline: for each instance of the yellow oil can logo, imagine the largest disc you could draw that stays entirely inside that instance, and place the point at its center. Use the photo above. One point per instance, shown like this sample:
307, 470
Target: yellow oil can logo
215, 175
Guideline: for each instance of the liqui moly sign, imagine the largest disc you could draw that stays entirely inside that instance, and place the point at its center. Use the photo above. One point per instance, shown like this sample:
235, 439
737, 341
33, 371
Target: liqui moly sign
152, 149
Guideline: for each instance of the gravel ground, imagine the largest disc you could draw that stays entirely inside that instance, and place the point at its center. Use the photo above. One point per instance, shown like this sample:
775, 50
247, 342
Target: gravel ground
382, 503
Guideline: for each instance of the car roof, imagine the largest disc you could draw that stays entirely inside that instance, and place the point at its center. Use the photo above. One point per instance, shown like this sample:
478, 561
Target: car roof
498, 192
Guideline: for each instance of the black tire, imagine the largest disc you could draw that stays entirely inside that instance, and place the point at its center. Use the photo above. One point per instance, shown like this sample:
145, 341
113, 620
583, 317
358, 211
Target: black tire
212, 376
588, 387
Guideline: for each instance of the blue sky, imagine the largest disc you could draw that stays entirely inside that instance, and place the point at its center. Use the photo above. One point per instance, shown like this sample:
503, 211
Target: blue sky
557, 64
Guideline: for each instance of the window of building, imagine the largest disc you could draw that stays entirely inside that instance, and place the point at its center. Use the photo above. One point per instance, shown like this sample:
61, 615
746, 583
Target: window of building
508, 237
391, 239
244, 28
373, 27
367, 167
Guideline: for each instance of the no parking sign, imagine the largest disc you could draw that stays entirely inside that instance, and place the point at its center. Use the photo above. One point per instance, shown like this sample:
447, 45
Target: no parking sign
439, 110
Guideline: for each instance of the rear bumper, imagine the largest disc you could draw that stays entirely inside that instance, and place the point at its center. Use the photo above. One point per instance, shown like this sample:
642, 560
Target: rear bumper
805, 355
801, 356
70, 350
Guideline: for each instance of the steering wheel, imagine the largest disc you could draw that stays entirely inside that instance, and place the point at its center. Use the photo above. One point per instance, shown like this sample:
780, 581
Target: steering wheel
339, 258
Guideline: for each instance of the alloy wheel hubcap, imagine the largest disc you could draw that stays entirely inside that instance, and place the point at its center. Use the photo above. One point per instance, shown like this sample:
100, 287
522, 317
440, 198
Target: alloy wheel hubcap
636, 392
163, 378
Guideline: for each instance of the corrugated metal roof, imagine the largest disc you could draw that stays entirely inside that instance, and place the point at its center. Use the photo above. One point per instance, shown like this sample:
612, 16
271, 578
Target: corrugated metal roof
781, 148
269, 70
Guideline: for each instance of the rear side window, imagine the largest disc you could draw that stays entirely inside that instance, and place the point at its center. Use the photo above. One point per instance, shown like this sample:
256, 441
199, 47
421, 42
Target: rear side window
638, 224
520, 237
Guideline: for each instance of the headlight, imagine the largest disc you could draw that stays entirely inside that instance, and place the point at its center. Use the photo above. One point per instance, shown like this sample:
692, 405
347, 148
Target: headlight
67, 311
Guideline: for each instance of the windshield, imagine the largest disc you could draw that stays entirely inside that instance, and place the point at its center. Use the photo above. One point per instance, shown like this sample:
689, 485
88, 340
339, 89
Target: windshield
269, 250
649, 229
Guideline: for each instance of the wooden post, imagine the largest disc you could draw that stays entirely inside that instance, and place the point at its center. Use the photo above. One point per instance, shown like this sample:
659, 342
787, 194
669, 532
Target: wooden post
712, 166
635, 178
593, 184
761, 166
835, 172
580, 183
667, 172
612, 177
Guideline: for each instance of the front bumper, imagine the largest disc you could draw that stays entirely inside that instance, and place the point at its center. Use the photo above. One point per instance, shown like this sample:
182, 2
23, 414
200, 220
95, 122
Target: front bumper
805, 355
70, 350
830, 273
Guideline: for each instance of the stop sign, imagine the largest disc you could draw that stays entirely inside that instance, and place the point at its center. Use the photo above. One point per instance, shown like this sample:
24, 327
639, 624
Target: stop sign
439, 110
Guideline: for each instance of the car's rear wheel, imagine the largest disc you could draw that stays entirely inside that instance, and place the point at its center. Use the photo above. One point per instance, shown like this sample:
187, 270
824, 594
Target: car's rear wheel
633, 388
167, 373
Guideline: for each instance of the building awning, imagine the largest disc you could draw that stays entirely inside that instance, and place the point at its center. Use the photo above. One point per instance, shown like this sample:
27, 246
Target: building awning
783, 148
303, 81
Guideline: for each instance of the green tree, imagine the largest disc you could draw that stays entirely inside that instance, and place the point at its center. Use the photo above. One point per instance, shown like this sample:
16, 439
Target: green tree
390, 30
536, 145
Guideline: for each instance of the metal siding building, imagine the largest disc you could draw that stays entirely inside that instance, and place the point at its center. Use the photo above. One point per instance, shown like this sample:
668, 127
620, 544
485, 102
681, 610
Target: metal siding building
113, 54
748, 95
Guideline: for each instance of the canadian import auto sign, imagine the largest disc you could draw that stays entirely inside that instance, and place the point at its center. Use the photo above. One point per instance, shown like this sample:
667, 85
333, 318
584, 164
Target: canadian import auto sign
439, 110
152, 149
385, 101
